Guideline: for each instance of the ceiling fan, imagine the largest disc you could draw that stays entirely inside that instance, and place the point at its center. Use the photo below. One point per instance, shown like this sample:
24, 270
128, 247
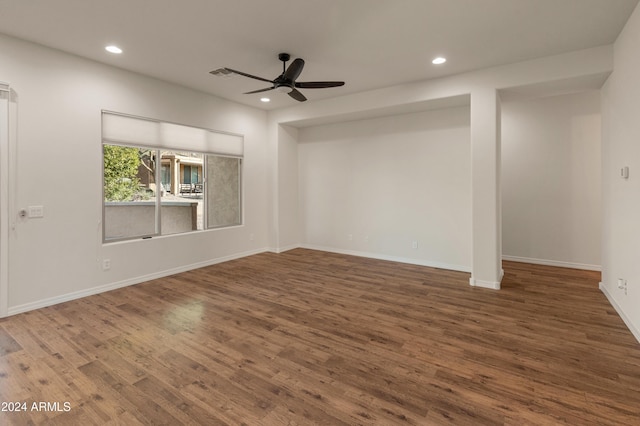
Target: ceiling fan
286, 82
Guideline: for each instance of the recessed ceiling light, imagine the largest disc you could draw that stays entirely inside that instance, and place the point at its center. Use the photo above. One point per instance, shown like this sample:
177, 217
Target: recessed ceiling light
439, 60
265, 99
113, 49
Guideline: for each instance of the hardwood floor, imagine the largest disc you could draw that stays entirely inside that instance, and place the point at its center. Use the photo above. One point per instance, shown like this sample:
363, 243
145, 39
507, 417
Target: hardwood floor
307, 337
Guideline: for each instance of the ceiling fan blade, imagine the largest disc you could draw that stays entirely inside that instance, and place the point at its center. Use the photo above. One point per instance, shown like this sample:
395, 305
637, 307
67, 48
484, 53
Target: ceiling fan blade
295, 94
318, 84
249, 75
294, 69
259, 90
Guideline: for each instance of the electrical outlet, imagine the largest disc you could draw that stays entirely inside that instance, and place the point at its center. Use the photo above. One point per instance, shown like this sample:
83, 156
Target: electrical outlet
366, 238
414, 245
106, 264
350, 237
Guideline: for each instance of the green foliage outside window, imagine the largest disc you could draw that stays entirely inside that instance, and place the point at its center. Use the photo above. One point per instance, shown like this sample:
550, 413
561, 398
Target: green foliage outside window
120, 172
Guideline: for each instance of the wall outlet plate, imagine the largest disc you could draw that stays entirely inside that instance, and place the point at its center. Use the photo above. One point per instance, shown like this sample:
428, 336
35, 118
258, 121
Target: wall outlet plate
35, 211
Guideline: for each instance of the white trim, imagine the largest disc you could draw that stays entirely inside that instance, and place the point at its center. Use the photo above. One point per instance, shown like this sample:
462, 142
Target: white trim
625, 318
4, 198
283, 249
132, 281
419, 262
493, 285
557, 263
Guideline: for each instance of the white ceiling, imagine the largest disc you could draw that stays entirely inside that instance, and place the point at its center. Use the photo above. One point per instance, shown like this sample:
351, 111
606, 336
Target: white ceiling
367, 43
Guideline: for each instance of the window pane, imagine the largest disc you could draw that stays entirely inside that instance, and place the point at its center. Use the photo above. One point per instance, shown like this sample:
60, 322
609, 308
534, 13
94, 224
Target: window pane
165, 177
182, 206
223, 191
129, 192
151, 188
186, 175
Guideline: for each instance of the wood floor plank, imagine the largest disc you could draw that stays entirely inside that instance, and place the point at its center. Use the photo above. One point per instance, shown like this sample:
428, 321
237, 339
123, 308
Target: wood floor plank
308, 337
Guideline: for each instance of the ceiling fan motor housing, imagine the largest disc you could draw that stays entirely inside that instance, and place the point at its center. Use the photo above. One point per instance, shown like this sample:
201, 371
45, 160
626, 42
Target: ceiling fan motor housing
286, 82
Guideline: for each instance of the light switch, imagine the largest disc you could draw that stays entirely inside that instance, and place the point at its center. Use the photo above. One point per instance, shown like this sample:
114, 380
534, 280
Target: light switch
36, 211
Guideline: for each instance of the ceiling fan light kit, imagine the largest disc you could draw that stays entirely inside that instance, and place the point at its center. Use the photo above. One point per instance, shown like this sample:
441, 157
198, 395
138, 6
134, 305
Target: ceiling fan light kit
285, 82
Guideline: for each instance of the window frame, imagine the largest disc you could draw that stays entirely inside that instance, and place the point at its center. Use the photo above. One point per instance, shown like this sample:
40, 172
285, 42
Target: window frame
157, 199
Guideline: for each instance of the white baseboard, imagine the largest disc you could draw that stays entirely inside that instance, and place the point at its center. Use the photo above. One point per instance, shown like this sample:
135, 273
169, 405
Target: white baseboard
493, 285
625, 318
283, 249
557, 263
419, 262
125, 283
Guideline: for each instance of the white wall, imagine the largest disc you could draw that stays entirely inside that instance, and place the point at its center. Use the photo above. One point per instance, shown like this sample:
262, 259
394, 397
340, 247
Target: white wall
388, 182
287, 170
551, 180
486, 222
621, 197
58, 166
574, 68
